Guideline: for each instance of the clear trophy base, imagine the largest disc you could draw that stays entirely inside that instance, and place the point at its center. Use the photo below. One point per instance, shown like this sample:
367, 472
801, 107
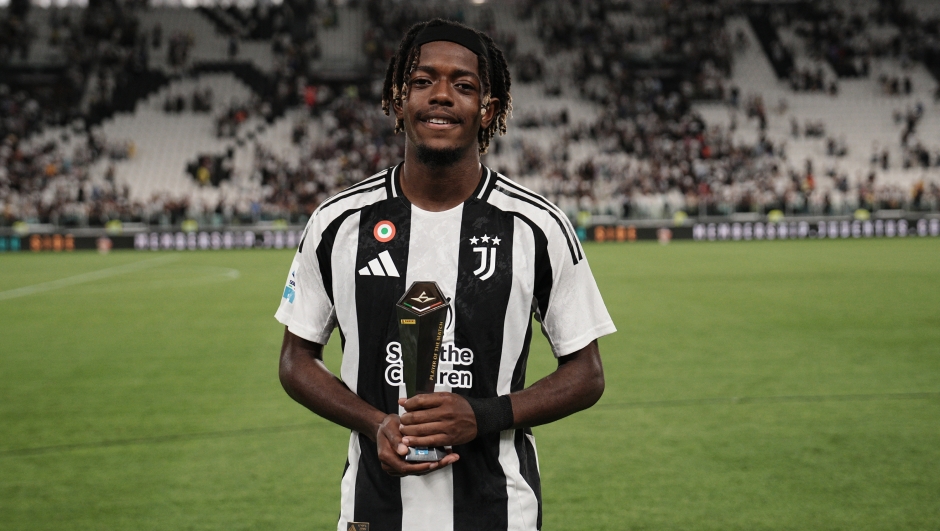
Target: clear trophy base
425, 455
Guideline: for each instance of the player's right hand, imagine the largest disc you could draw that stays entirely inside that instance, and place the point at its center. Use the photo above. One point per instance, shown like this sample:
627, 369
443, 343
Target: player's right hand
392, 451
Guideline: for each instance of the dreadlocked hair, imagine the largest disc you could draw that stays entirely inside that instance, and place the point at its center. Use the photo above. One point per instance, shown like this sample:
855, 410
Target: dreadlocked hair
494, 76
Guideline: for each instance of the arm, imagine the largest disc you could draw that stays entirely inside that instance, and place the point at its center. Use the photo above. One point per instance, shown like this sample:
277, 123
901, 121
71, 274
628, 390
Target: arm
307, 380
576, 384
442, 419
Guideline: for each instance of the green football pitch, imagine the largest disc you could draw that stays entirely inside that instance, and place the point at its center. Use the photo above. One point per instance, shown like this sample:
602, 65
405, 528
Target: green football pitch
761, 385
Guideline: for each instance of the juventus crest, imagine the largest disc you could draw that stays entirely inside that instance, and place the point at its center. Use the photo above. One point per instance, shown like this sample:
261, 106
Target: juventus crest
487, 255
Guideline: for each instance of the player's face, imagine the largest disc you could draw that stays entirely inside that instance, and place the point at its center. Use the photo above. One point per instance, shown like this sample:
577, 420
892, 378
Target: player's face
442, 113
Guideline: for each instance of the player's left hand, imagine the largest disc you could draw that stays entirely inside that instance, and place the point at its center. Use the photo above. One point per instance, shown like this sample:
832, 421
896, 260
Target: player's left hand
392, 451
437, 419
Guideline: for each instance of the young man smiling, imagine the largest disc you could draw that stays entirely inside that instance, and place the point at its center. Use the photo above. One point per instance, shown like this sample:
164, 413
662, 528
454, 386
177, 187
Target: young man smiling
499, 252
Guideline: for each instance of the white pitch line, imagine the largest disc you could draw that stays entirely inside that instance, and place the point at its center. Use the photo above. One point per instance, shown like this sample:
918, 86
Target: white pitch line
86, 277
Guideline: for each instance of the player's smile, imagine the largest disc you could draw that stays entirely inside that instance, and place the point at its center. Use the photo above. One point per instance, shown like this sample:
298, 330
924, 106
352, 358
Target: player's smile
438, 120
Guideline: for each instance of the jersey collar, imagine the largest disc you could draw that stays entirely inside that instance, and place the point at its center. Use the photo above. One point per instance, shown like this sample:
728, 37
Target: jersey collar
479, 194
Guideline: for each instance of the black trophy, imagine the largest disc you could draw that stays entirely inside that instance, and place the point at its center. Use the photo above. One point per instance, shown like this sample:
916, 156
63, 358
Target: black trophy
421, 315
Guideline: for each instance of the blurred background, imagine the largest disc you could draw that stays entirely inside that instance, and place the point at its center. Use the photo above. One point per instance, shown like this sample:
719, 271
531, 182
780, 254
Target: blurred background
145, 118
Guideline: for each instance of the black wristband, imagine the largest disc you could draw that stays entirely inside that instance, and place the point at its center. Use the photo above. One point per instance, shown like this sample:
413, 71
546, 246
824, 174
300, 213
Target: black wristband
493, 414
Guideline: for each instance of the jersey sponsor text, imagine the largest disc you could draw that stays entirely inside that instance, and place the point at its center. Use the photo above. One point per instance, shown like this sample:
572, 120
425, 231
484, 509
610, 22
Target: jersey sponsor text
449, 354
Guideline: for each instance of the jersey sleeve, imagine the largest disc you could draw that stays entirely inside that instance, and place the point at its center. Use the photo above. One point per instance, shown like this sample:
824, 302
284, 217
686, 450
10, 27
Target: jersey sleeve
575, 313
306, 309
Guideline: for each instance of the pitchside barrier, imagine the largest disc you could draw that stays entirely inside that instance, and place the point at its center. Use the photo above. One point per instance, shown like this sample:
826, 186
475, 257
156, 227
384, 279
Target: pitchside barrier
156, 241
289, 238
758, 230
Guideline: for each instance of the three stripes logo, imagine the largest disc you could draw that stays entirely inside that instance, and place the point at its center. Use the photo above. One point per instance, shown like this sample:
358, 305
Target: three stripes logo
487, 256
383, 266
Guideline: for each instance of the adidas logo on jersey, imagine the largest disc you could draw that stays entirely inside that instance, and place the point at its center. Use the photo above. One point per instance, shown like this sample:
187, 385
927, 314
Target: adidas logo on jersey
383, 266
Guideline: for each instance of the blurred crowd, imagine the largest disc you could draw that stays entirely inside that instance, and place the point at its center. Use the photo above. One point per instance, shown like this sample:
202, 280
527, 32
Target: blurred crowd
694, 170
49, 181
640, 53
657, 157
355, 140
807, 80
851, 36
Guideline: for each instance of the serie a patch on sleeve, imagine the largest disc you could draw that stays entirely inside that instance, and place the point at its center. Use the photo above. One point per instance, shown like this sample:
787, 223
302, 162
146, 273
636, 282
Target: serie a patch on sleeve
358, 526
290, 288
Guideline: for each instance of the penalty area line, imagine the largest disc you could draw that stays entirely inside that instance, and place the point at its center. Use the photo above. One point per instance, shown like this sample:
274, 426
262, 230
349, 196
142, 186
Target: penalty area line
86, 277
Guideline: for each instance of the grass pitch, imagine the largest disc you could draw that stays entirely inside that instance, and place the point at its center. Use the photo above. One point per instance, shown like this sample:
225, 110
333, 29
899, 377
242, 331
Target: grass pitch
759, 385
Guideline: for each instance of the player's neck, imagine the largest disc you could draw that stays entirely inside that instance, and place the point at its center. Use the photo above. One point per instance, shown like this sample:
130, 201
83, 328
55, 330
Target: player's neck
438, 188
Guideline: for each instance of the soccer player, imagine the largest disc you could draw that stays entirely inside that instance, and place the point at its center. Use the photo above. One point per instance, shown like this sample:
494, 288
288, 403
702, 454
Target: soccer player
499, 252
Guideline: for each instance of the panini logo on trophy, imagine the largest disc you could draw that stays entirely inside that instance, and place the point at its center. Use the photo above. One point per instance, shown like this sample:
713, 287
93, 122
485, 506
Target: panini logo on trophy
422, 312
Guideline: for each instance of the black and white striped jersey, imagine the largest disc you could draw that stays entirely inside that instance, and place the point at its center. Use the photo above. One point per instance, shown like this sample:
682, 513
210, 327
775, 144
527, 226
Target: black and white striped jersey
501, 256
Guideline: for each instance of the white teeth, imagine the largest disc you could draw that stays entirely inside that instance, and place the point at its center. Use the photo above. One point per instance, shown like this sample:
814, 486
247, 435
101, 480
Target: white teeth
439, 121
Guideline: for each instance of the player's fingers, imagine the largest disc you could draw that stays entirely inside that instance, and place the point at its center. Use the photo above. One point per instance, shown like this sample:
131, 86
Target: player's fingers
435, 439
424, 429
449, 459
394, 463
399, 447
423, 401
392, 434
403, 468
398, 467
388, 462
444, 408
423, 416
389, 438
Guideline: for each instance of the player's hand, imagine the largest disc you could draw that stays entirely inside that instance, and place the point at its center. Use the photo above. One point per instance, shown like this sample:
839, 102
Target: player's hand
392, 451
437, 419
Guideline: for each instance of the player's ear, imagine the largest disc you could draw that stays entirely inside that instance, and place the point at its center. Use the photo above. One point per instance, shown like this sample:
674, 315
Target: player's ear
397, 107
489, 112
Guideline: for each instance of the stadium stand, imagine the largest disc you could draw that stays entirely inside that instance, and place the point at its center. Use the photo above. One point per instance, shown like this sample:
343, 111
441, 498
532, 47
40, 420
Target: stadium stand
625, 109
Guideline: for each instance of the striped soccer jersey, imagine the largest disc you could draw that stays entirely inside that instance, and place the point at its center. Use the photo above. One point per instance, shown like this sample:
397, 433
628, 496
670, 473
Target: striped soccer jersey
501, 256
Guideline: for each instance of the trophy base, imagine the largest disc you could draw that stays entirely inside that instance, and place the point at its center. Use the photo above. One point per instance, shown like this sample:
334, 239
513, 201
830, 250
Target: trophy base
425, 455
